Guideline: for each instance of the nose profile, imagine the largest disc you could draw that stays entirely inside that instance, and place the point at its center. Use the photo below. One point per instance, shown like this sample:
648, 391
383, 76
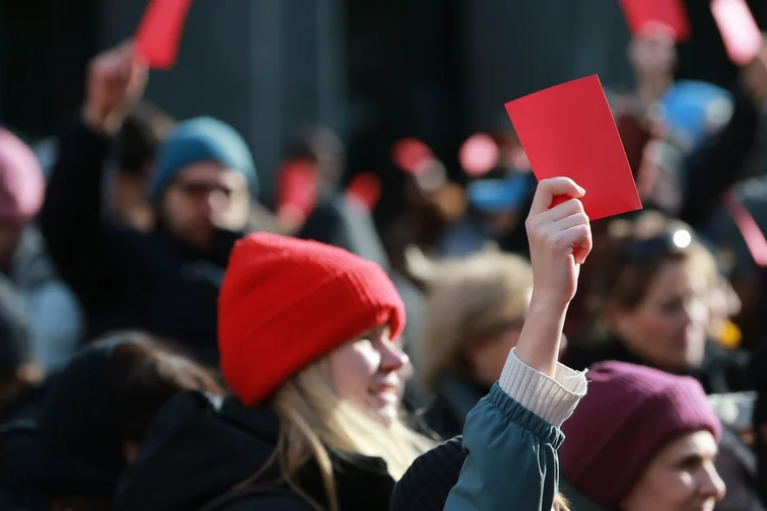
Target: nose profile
392, 357
711, 485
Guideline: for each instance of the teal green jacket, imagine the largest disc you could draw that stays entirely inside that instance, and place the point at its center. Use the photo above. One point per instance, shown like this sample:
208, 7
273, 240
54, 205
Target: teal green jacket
512, 451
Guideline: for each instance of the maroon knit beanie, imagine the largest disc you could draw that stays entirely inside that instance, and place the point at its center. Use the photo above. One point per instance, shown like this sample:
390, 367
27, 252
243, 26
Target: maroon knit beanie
22, 185
286, 302
628, 415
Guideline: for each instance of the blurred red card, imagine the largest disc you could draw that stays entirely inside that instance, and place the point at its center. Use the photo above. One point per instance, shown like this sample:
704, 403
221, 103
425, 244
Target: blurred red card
159, 34
568, 130
365, 188
740, 33
646, 16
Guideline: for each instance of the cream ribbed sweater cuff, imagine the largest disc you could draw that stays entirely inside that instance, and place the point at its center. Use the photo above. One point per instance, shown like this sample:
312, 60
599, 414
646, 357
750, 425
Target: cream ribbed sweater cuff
551, 399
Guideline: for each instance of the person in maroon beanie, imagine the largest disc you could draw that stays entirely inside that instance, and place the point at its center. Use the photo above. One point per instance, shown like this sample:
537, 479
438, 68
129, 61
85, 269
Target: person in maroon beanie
640, 440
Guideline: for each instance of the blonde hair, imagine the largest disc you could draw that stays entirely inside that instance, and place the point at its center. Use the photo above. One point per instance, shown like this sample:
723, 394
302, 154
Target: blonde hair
315, 420
469, 300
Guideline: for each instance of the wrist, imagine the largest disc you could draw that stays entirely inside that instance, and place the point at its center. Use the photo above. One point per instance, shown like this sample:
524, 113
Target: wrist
101, 122
548, 304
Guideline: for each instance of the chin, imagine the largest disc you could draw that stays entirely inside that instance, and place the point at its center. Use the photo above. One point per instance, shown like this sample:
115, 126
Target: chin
385, 416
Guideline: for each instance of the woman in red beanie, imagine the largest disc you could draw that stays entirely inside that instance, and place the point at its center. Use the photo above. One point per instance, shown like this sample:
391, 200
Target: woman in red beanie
641, 440
308, 336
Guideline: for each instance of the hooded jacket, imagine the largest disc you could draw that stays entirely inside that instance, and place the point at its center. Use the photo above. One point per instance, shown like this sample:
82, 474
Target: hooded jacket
199, 448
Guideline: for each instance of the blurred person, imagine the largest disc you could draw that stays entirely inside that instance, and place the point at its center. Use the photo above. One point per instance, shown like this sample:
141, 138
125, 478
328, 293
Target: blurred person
316, 422
93, 419
641, 440
508, 455
20, 377
474, 312
51, 308
203, 181
136, 146
650, 304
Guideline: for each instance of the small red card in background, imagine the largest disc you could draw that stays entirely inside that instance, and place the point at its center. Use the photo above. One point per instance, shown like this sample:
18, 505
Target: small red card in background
646, 16
297, 189
411, 155
568, 130
159, 34
365, 187
749, 229
740, 33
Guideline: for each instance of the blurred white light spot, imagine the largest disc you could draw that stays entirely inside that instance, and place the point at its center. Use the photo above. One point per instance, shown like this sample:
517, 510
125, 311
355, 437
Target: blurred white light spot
682, 238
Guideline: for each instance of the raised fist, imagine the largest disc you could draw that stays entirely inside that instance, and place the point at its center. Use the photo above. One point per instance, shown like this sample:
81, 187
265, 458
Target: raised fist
116, 82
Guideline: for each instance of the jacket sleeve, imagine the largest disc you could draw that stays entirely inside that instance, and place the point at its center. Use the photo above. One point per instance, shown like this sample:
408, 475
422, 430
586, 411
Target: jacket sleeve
87, 251
512, 437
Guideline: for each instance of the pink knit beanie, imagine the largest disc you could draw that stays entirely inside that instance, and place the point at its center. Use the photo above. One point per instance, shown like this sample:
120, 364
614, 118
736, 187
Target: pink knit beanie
22, 186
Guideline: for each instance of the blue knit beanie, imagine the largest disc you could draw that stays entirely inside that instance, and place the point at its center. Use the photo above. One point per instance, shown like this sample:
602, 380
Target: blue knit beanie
202, 139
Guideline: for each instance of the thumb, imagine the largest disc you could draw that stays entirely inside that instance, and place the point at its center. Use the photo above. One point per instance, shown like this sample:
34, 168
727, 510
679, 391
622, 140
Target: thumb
550, 188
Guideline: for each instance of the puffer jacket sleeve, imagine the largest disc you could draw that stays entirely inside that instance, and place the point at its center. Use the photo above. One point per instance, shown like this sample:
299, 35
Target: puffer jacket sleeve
512, 437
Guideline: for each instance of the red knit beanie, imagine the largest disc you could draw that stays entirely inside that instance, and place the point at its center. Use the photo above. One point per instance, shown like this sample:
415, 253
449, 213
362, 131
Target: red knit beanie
286, 302
628, 415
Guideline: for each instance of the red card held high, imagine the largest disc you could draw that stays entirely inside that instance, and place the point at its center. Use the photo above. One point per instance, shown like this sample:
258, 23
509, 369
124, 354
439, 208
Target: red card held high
568, 130
159, 34
740, 33
646, 16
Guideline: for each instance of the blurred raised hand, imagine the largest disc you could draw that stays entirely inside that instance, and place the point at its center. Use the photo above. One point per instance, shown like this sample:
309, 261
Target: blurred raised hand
116, 82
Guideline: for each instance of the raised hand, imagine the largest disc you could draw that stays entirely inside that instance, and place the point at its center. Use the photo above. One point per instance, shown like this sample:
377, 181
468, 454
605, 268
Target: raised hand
560, 240
116, 81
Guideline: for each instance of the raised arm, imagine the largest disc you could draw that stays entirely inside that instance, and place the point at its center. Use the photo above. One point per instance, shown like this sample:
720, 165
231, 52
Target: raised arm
71, 219
513, 433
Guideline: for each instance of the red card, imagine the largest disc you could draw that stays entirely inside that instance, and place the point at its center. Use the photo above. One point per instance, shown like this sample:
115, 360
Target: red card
647, 16
740, 33
365, 188
411, 155
297, 183
569, 130
159, 34
749, 229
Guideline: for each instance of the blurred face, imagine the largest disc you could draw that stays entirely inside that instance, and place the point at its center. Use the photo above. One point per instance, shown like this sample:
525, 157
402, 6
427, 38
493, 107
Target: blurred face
370, 372
681, 477
204, 197
668, 328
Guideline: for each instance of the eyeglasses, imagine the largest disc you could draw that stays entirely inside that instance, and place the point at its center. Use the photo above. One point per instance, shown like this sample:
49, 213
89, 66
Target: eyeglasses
676, 241
200, 190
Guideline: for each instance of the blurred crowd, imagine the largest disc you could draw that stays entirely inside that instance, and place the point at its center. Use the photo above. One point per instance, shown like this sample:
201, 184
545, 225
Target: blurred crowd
168, 342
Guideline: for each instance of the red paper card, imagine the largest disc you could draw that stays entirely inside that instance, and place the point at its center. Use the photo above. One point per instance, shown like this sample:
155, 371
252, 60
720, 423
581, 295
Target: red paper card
159, 34
297, 188
647, 16
365, 188
569, 130
740, 33
749, 229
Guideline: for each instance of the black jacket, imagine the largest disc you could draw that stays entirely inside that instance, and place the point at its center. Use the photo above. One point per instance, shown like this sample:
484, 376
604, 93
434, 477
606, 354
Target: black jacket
454, 399
123, 277
199, 448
